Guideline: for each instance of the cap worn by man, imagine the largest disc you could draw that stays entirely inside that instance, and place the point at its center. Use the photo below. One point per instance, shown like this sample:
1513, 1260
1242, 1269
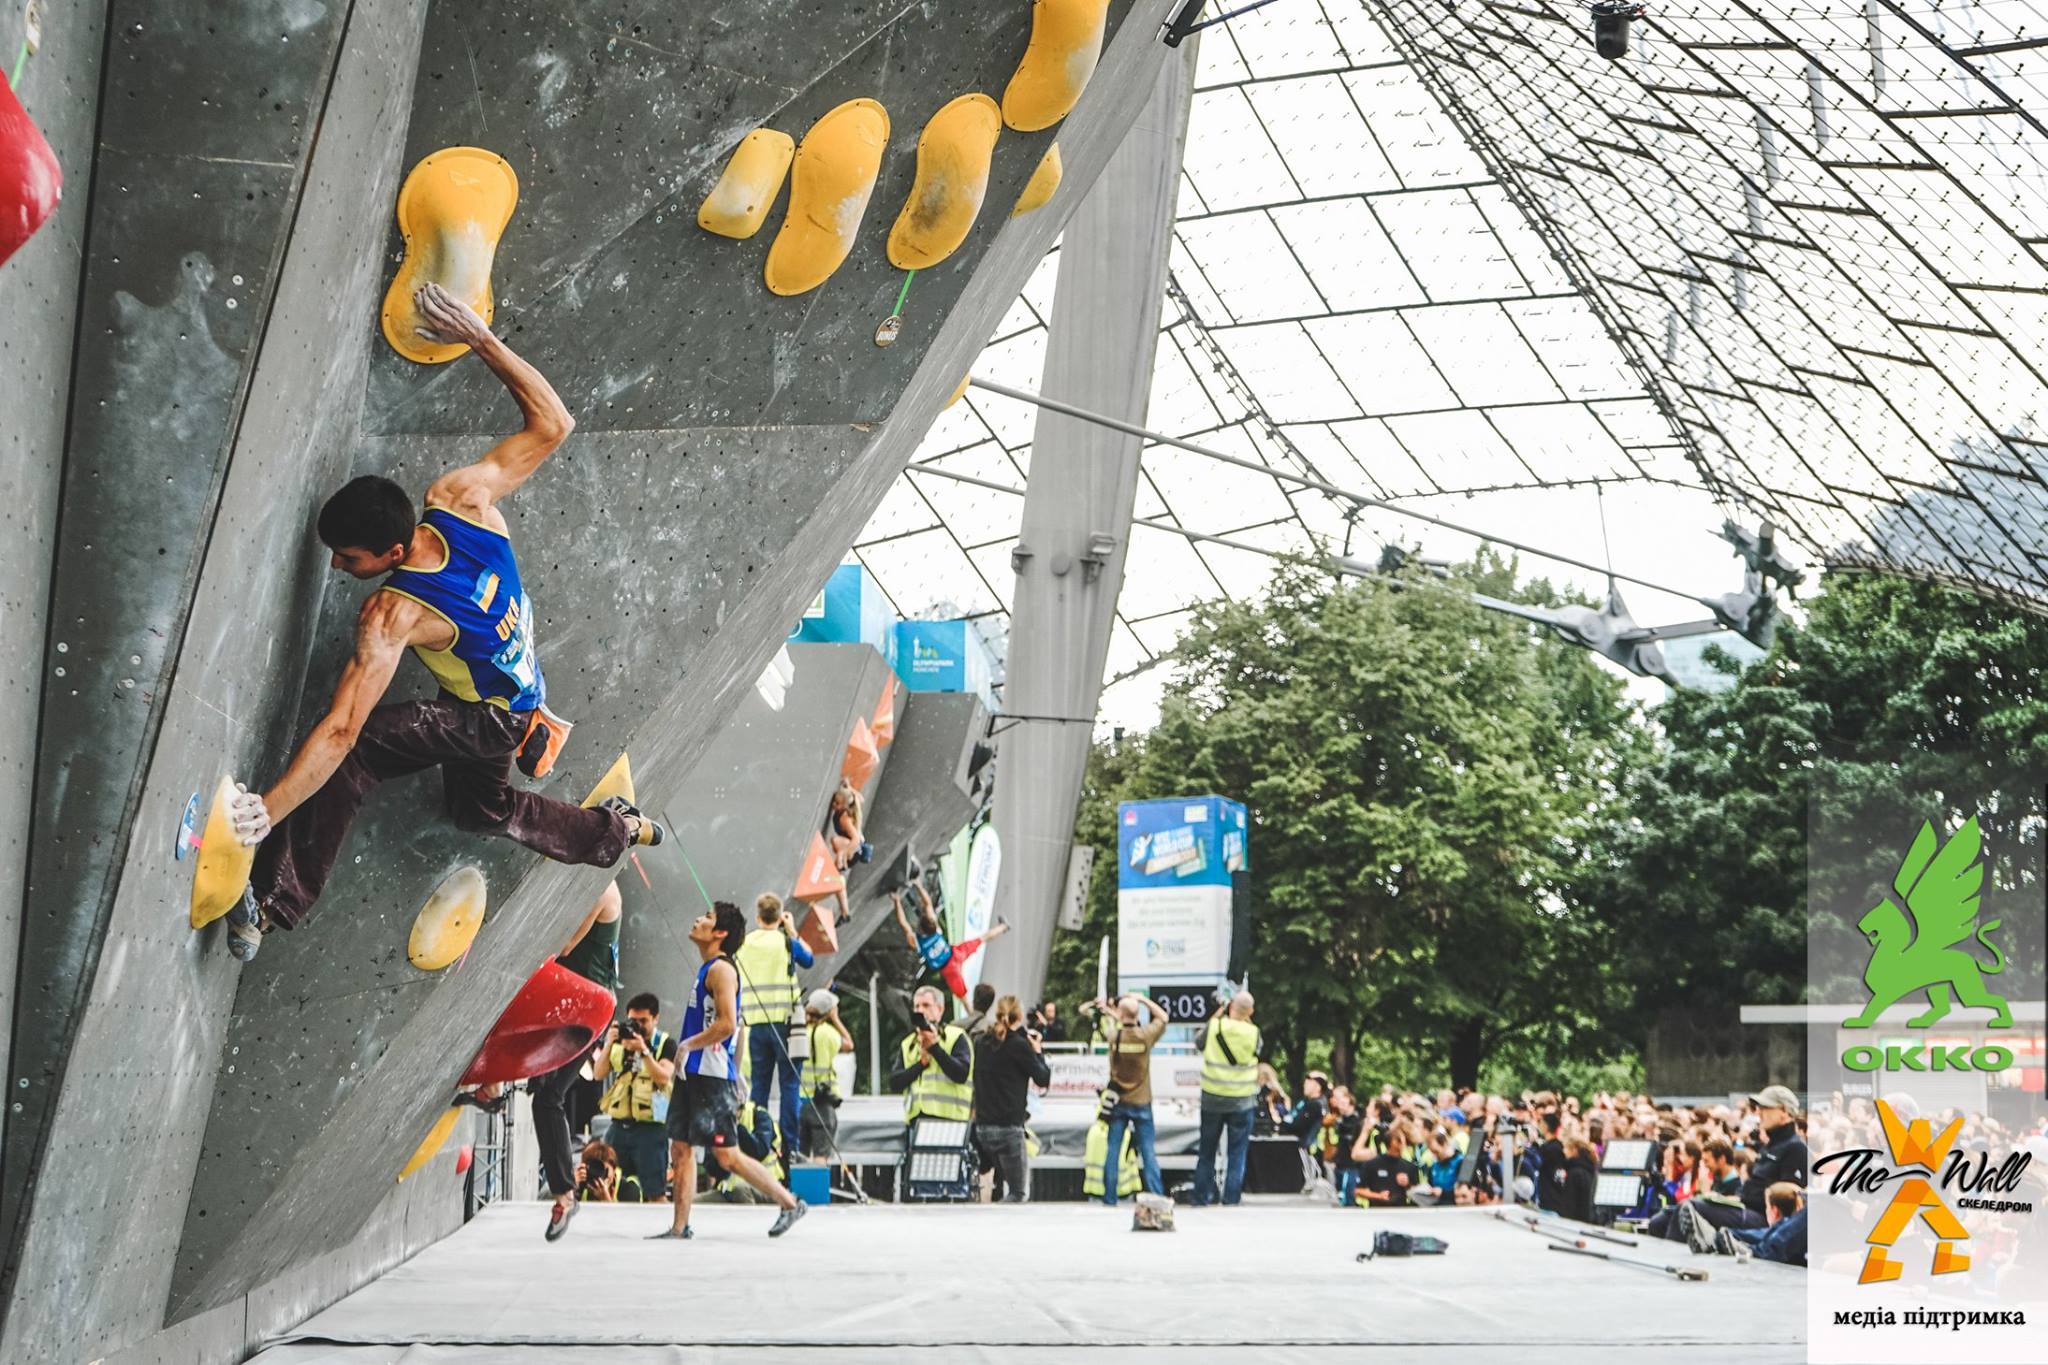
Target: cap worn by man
1776, 1097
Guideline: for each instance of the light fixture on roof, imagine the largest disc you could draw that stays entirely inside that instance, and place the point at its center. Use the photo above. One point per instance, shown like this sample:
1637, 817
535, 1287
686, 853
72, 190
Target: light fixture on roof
1611, 19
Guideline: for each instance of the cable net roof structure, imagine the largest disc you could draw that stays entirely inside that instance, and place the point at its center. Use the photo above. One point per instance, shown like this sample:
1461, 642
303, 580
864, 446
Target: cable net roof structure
1787, 254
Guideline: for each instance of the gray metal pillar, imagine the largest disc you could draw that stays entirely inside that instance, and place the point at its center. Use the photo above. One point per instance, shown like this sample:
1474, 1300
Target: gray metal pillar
1077, 516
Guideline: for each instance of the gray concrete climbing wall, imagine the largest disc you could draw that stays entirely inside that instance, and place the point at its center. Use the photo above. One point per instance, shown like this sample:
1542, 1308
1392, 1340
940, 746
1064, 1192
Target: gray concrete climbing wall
191, 1134
38, 316
744, 815
923, 799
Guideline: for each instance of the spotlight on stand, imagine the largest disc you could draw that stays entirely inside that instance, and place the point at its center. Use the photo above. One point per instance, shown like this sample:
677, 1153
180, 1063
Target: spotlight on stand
1611, 19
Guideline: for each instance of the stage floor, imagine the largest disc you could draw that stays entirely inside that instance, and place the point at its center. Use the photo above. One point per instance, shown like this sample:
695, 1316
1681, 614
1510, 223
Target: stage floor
1033, 1283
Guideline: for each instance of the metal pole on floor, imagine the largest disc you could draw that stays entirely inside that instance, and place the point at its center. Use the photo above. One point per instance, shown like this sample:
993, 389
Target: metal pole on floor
874, 1033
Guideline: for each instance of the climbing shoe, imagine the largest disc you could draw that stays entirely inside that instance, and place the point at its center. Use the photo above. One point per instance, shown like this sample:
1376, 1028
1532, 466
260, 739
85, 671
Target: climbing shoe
641, 829
786, 1220
682, 1234
245, 927
558, 1219
1699, 1233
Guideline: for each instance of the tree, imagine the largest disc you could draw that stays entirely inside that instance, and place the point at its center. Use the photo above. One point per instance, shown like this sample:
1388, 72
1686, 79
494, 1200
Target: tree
1893, 702
1422, 778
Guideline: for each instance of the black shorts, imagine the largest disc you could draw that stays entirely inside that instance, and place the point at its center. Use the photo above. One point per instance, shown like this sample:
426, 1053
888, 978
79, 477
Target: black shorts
703, 1111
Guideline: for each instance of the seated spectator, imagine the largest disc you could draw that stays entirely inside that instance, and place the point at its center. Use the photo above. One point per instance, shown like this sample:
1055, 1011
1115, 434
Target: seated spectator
1781, 1153
1717, 1199
1580, 1173
1384, 1178
1783, 1239
1440, 1167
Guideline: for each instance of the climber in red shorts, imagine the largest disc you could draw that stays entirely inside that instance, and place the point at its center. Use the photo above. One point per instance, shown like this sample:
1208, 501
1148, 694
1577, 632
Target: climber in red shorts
928, 941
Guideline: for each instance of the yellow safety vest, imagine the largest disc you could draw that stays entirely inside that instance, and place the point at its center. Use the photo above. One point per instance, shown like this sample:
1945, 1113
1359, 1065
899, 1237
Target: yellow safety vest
768, 986
1221, 1076
631, 1093
1096, 1151
820, 1063
932, 1093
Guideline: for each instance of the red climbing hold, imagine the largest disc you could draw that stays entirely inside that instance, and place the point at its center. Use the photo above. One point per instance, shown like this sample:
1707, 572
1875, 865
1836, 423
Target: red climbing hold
862, 758
464, 1155
30, 179
556, 1017
884, 723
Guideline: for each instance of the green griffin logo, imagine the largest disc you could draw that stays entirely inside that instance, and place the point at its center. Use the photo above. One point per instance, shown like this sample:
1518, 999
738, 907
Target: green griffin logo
1920, 946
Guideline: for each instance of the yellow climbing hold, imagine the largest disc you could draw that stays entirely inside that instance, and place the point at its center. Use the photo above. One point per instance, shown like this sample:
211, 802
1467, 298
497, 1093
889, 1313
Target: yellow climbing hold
452, 210
437, 1138
739, 202
447, 924
222, 869
617, 781
1066, 42
835, 171
953, 155
1039, 189
965, 379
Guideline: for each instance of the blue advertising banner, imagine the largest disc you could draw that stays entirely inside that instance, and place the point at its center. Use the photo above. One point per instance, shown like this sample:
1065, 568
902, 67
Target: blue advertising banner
1195, 840
849, 609
1174, 863
944, 656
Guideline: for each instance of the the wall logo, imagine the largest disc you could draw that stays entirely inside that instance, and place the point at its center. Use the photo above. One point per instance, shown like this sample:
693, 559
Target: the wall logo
1913, 1147
1920, 947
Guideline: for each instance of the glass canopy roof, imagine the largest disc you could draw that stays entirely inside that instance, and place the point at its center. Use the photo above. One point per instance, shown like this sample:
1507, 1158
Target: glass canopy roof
1783, 260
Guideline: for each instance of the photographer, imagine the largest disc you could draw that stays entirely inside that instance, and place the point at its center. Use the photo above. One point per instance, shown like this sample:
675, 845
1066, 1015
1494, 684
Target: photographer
1230, 1092
637, 1069
1130, 1080
597, 1174
1046, 1022
818, 1128
1008, 1060
937, 1063
768, 962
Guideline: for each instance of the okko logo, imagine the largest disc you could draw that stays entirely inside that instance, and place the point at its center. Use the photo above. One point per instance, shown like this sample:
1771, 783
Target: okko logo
1912, 1145
1917, 943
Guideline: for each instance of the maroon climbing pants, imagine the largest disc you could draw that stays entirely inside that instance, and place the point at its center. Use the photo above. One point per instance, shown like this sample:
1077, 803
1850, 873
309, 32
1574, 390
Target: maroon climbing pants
472, 743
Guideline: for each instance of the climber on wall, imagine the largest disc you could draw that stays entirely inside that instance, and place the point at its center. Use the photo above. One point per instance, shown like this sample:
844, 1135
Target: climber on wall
453, 596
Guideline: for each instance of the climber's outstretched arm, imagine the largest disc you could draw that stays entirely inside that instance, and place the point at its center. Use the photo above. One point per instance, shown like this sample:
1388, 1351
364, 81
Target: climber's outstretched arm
383, 630
474, 489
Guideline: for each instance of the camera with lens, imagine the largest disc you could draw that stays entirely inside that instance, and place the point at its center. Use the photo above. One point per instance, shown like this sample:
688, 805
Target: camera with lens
630, 1027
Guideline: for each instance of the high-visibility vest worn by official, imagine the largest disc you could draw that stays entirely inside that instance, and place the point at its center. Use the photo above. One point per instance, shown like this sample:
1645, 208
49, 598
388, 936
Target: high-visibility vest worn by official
932, 1093
1095, 1152
819, 1071
768, 985
631, 1094
1230, 1059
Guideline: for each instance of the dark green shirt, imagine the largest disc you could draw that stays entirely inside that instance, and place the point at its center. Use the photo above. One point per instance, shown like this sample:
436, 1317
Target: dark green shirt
596, 956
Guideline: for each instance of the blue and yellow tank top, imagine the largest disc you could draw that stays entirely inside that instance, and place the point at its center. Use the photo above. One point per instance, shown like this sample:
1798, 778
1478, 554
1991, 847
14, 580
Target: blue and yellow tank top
477, 591
719, 1061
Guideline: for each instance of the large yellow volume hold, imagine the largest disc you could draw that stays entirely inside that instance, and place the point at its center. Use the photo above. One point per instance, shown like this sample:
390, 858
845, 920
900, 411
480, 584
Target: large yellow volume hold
738, 204
452, 210
1066, 42
1044, 182
222, 869
836, 166
953, 155
617, 781
437, 1138
447, 924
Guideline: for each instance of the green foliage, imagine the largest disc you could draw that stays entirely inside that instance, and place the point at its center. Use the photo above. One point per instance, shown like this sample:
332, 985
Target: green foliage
1423, 778
1893, 700
1472, 859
